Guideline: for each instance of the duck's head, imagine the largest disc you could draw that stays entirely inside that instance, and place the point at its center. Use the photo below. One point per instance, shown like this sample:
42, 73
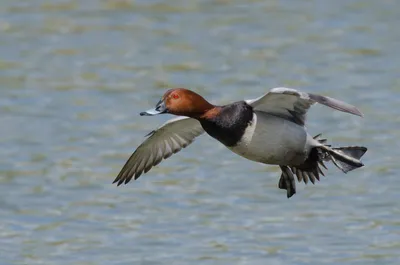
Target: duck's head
182, 102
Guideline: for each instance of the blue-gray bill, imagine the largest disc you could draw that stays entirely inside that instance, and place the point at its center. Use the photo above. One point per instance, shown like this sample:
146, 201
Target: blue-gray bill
159, 109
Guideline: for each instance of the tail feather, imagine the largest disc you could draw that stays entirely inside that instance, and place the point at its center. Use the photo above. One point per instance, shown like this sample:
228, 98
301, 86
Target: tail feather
353, 151
345, 158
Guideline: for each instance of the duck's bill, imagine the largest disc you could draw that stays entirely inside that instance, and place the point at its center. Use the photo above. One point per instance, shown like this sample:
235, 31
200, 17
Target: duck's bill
159, 109
150, 112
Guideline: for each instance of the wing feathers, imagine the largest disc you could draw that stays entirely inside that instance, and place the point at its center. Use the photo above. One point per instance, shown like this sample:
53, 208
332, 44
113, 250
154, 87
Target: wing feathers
293, 105
167, 140
336, 104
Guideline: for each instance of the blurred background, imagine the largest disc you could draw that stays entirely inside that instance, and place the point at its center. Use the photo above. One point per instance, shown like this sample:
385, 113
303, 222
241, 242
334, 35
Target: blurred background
75, 74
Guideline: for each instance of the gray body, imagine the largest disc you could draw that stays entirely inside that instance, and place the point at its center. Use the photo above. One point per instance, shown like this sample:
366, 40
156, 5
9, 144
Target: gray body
270, 139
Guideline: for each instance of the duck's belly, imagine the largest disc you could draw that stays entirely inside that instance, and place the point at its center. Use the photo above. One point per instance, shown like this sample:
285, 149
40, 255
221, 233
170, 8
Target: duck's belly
273, 140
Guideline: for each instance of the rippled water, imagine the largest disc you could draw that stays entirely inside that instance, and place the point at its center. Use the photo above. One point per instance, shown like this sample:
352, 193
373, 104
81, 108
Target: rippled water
75, 74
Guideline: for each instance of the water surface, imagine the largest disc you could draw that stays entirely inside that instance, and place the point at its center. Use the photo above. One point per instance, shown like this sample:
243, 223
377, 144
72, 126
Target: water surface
75, 74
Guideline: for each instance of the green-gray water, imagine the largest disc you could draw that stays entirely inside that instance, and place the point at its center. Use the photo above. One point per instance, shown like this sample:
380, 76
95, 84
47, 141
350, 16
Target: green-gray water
75, 74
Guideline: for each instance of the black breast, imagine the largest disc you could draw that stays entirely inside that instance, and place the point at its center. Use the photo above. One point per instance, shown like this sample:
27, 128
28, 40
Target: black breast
230, 124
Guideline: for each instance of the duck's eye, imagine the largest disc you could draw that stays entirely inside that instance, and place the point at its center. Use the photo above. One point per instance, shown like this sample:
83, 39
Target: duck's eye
175, 96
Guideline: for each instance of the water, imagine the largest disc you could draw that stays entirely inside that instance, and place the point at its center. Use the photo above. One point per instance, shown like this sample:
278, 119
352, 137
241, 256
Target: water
75, 74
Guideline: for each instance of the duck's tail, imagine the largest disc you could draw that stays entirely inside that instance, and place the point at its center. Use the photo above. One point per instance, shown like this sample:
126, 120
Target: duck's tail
345, 158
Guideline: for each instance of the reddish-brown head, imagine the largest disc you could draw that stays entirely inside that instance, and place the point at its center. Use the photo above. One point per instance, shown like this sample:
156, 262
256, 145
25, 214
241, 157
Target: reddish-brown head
182, 102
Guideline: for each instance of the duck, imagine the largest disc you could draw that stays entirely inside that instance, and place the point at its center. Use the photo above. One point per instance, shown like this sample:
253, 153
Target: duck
269, 130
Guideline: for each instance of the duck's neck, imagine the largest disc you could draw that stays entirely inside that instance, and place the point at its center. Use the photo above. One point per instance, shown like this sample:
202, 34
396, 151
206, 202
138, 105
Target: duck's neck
227, 123
210, 113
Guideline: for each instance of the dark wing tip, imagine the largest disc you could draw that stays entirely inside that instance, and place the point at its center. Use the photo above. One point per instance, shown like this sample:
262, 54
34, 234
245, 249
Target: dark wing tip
357, 112
336, 104
127, 180
117, 179
122, 178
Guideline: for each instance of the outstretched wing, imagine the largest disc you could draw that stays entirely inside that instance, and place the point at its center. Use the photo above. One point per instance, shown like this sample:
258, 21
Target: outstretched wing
168, 139
293, 104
